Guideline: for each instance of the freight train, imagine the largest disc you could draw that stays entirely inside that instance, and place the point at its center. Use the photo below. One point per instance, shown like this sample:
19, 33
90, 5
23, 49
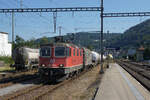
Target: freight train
25, 58
95, 58
63, 60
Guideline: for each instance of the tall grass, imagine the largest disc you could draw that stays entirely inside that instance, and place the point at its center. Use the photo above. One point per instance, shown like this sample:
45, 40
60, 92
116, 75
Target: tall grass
6, 60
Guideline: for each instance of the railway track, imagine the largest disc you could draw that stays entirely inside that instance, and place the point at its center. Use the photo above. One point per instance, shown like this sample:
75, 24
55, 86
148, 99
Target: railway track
17, 78
38, 91
139, 72
7, 75
140, 65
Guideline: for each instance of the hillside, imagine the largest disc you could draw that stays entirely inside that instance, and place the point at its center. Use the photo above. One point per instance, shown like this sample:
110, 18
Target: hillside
138, 35
133, 37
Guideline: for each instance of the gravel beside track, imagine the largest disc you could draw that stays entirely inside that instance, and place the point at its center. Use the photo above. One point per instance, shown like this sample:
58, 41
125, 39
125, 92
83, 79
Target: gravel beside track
10, 75
18, 79
82, 88
37, 92
21, 89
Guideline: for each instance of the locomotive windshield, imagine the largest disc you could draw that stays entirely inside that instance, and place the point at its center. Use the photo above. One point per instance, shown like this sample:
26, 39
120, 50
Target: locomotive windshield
59, 51
45, 52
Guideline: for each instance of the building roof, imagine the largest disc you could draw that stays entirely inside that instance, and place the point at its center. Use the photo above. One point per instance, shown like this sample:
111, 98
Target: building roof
3, 33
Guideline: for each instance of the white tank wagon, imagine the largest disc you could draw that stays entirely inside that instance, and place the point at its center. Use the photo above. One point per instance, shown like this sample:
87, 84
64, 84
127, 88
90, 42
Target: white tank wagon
95, 57
25, 58
104, 57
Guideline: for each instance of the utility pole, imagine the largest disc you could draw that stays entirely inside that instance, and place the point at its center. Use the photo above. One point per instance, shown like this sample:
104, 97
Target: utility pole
12, 28
21, 3
12, 32
55, 19
101, 35
60, 30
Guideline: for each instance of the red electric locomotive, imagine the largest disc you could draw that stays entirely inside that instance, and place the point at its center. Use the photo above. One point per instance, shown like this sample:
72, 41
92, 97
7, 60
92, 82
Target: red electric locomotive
62, 60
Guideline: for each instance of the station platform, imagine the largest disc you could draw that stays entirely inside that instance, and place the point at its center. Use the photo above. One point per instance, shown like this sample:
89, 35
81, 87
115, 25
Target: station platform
117, 84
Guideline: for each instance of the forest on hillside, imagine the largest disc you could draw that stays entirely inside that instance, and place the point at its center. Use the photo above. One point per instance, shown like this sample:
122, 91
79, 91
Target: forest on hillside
136, 36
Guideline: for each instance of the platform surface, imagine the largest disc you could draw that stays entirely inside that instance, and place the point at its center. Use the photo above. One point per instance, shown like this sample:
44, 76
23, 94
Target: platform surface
117, 84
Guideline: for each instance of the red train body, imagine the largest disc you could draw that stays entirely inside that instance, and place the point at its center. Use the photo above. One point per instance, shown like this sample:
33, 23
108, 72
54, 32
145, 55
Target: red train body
62, 59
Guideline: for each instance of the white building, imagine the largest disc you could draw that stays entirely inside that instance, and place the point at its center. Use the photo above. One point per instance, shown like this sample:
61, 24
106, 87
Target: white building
5, 47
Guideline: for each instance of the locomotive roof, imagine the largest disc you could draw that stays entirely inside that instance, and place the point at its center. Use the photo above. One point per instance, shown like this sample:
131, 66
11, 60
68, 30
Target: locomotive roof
60, 44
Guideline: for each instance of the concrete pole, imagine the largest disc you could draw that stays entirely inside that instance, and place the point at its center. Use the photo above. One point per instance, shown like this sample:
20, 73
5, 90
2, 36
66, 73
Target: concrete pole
12, 32
60, 30
12, 27
101, 34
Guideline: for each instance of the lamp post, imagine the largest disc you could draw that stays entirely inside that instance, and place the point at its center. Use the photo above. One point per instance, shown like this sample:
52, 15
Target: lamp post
101, 34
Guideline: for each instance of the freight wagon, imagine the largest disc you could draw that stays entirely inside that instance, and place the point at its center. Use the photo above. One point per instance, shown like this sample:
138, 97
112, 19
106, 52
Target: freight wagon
25, 58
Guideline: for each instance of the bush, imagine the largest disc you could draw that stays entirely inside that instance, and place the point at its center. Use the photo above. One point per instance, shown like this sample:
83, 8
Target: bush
6, 60
147, 54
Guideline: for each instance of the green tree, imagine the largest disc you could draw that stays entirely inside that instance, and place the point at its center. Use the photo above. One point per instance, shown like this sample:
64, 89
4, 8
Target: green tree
147, 54
19, 42
44, 40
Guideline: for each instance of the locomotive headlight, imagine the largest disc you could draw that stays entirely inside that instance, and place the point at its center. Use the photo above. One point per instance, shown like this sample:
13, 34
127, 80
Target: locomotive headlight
61, 65
43, 65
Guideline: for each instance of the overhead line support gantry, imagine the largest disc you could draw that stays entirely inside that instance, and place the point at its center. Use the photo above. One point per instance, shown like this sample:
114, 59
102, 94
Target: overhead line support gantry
21, 10
130, 14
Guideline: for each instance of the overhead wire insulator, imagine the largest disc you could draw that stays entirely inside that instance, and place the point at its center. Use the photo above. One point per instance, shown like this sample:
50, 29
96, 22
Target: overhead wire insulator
72, 14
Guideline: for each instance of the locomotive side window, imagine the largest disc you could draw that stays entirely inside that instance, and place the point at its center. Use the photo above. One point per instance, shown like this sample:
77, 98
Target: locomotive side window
78, 52
45, 52
59, 51
68, 51
74, 52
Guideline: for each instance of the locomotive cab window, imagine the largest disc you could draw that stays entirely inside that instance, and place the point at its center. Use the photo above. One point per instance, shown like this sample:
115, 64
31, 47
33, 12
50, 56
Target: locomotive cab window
59, 51
45, 52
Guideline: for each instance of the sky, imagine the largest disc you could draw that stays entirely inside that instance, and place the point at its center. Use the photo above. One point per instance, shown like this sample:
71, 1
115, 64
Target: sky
37, 25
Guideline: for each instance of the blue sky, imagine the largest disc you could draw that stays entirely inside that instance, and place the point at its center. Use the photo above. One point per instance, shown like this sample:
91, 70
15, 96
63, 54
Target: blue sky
32, 25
